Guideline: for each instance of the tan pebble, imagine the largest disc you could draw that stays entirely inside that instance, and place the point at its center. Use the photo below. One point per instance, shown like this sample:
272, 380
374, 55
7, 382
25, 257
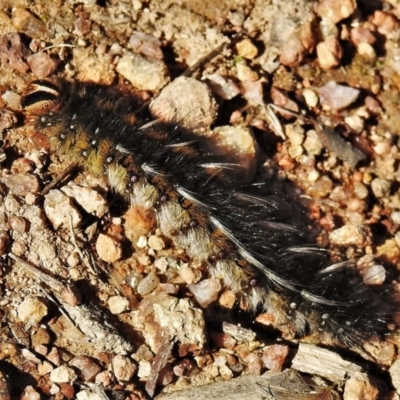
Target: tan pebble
29, 356
347, 235
148, 284
175, 104
245, 73
246, 49
44, 368
22, 166
87, 368
310, 97
108, 249
89, 199
123, 368
32, 310
145, 74
42, 65
156, 242
144, 369
41, 337
329, 53
145, 44
118, 304
385, 22
293, 52
360, 387
29, 393
380, 187
18, 224
366, 51
25, 22
104, 378
190, 275
274, 357
355, 122
54, 356
161, 264
206, 291
143, 259
225, 372
334, 10
60, 210
22, 184
252, 92
227, 299
63, 374
236, 144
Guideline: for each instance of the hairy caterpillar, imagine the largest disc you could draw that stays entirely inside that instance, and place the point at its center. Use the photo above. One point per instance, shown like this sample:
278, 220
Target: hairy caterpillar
242, 237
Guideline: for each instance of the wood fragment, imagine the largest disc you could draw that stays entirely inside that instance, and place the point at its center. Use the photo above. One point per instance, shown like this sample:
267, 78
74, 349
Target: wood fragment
312, 359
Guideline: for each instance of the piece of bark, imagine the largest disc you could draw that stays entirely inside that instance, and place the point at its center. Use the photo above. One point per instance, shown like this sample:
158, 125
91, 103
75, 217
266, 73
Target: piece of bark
312, 359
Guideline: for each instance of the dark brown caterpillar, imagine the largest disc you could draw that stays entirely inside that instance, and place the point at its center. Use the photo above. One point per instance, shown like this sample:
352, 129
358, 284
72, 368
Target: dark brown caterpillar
243, 238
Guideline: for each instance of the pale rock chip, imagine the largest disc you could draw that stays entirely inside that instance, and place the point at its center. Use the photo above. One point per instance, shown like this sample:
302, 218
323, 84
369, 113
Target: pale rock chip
32, 310
123, 368
62, 374
89, 199
118, 304
347, 235
143, 73
188, 102
60, 210
337, 97
108, 249
206, 291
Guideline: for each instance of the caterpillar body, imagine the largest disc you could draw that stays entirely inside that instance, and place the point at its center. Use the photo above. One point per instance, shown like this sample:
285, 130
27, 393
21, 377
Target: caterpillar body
243, 238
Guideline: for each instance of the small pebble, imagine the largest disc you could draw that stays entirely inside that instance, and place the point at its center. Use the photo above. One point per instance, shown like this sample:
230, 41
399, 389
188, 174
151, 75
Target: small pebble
147, 45
108, 249
334, 10
89, 199
380, 187
347, 235
246, 49
118, 304
42, 65
148, 284
144, 74
366, 51
355, 122
156, 243
87, 368
22, 184
224, 88
25, 22
274, 357
395, 217
104, 378
29, 393
144, 369
32, 310
60, 210
329, 53
206, 291
245, 73
123, 368
310, 97
63, 374
45, 368
375, 275
337, 97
